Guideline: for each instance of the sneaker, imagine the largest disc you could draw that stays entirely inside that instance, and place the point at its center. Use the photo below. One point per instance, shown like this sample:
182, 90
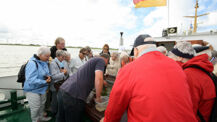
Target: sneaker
45, 119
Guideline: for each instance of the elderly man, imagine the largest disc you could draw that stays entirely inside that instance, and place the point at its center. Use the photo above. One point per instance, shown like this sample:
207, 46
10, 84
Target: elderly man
59, 45
201, 85
74, 91
153, 88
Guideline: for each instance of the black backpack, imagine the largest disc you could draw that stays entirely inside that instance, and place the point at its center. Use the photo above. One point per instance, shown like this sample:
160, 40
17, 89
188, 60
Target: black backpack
213, 115
21, 74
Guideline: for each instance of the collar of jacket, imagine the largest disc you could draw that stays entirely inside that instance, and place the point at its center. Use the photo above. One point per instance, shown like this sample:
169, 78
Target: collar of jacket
147, 50
55, 48
60, 63
36, 57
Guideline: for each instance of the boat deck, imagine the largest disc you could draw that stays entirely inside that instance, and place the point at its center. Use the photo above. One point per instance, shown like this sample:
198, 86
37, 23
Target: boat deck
22, 114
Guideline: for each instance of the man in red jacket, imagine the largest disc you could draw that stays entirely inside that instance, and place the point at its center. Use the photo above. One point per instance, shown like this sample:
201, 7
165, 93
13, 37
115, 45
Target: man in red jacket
153, 88
202, 88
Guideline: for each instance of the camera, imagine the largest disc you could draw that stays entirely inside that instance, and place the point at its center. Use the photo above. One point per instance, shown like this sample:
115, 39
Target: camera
45, 77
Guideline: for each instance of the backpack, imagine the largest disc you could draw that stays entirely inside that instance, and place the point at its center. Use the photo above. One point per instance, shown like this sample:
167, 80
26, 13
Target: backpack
21, 74
213, 115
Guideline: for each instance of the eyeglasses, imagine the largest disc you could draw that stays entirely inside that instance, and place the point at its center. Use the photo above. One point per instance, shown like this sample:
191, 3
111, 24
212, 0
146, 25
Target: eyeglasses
105, 49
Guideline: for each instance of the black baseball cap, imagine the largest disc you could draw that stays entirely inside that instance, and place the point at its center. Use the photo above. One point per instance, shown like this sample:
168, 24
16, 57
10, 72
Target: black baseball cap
200, 48
141, 40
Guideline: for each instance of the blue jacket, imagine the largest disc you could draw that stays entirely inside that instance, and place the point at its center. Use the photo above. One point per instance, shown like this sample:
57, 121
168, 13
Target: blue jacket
35, 76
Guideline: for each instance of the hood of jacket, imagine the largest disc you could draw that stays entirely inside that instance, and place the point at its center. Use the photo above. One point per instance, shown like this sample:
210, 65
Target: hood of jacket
201, 61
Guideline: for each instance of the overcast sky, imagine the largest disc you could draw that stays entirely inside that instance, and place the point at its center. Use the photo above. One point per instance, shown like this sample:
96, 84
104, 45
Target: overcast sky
95, 22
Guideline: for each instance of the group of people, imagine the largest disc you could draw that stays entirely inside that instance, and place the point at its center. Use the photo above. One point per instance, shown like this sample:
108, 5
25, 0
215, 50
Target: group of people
152, 85
50, 67
161, 87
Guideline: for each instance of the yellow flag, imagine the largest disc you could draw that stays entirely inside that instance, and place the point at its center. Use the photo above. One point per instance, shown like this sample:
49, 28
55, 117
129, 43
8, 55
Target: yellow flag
149, 3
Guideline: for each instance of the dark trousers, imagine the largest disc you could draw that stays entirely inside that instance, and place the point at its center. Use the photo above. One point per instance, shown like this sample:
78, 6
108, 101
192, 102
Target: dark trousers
48, 101
69, 109
54, 103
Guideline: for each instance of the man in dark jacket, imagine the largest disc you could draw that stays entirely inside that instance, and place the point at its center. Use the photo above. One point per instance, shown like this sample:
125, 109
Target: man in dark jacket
201, 85
59, 45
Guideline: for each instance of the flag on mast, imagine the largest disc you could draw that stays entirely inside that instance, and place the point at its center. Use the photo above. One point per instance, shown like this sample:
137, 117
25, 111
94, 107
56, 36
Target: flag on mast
149, 3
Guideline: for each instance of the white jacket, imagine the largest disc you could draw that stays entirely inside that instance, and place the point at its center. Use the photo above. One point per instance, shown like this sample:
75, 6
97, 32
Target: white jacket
113, 67
76, 63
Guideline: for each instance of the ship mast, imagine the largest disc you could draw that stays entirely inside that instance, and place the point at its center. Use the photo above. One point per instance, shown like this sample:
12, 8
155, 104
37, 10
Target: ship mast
196, 16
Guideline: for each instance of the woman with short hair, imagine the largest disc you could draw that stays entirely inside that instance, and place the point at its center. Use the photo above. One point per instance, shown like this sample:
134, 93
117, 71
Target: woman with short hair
59, 74
37, 79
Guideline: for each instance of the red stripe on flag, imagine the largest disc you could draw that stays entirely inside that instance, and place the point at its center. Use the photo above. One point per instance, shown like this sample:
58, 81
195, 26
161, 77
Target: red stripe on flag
137, 1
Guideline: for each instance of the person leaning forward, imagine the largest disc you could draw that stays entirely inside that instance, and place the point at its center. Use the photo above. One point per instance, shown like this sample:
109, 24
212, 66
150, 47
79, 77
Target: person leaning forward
75, 90
152, 88
201, 86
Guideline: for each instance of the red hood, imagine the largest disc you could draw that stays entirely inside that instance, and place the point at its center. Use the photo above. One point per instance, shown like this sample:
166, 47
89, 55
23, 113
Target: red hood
201, 61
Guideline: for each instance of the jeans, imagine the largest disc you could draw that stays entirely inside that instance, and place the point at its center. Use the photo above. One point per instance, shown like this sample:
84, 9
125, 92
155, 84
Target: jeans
69, 109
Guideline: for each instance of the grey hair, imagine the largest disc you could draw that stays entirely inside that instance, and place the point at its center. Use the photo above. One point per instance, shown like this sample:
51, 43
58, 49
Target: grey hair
43, 50
162, 49
185, 47
67, 53
115, 54
123, 54
60, 53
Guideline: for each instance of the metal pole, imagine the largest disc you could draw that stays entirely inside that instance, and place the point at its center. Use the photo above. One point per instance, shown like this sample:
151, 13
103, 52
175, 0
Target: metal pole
195, 19
14, 104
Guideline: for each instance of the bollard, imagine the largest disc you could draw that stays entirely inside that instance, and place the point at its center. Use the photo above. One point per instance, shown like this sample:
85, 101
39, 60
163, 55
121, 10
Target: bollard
14, 104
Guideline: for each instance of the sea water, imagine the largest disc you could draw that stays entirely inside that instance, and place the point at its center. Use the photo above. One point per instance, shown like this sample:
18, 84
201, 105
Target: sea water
13, 56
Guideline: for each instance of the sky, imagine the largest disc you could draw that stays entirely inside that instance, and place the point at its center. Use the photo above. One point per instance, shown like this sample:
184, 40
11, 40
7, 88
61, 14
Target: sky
96, 22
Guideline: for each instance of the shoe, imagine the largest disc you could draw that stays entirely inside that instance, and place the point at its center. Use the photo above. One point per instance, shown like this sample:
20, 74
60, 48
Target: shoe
45, 114
45, 119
